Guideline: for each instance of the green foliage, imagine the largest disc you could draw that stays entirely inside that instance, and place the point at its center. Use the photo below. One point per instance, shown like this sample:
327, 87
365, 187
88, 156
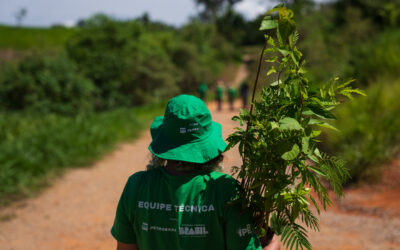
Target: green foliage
213, 8
350, 38
282, 161
360, 39
135, 62
34, 147
202, 54
369, 131
47, 85
232, 26
384, 12
377, 58
103, 50
22, 38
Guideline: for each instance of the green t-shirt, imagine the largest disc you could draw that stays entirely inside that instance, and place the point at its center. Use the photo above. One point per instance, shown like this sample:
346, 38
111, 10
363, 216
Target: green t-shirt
161, 211
203, 88
220, 92
231, 92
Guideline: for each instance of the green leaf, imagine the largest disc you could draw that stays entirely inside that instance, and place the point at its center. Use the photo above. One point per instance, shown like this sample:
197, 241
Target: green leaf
292, 154
317, 153
272, 59
272, 70
295, 211
284, 52
313, 158
305, 143
327, 125
290, 123
274, 125
285, 28
349, 91
268, 23
320, 111
316, 170
271, 41
274, 83
315, 133
294, 59
344, 84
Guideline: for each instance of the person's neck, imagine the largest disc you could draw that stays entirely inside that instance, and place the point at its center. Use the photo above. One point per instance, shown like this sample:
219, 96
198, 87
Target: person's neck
175, 171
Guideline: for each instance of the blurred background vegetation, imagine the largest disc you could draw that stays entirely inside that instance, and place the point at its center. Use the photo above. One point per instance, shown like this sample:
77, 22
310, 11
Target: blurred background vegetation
67, 95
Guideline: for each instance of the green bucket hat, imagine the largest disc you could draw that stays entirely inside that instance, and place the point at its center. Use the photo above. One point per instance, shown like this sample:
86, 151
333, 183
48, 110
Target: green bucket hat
186, 132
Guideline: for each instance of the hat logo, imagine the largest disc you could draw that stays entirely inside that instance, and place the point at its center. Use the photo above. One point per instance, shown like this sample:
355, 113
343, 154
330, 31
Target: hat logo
182, 130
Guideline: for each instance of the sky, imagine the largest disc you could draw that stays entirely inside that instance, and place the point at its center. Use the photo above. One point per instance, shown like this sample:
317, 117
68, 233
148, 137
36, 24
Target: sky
67, 12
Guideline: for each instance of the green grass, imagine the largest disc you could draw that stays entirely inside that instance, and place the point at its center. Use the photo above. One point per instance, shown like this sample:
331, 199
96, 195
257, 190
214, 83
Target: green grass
35, 148
25, 38
369, 130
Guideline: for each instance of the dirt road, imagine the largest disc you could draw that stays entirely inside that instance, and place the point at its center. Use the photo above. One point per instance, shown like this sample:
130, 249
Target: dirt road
77, 211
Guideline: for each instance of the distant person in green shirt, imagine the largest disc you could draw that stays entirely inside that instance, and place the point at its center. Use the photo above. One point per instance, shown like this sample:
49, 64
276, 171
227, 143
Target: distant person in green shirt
220, 94
231, 97
203, 91
181, 202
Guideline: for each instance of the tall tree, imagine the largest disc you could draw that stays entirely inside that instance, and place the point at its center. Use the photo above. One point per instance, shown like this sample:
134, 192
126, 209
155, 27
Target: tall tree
20, 15
214, 8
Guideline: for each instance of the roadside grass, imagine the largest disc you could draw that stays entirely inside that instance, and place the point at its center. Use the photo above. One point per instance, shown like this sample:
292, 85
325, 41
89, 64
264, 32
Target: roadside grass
369, 130
35, 148
24, 38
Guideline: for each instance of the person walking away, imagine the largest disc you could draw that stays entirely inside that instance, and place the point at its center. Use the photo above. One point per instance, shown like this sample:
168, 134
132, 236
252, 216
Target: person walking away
220, 94
231, 97
203, 91
181, 202
244, 93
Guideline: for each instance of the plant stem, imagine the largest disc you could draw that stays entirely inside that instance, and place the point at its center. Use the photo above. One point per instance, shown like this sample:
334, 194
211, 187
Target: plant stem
252, 104
256, 81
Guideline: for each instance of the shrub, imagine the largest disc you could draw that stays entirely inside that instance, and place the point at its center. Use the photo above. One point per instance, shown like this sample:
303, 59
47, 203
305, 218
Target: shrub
132, 63
100, 48
46, 85
369, 130
377, 58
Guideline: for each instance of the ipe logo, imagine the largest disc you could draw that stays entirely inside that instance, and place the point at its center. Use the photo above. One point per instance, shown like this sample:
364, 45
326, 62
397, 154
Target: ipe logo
182, 130
145, 226
244, 231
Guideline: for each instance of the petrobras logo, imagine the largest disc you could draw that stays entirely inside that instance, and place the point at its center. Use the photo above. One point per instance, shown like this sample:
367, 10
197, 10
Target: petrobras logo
145, 226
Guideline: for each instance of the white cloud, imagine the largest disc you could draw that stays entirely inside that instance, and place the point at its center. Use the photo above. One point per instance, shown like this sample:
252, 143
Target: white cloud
70, 23
252, 8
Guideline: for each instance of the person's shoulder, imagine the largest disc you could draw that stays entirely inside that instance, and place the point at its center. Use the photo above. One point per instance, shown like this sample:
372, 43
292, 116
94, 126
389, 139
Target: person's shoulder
142, 176
224, 185
223, 179
137, 176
